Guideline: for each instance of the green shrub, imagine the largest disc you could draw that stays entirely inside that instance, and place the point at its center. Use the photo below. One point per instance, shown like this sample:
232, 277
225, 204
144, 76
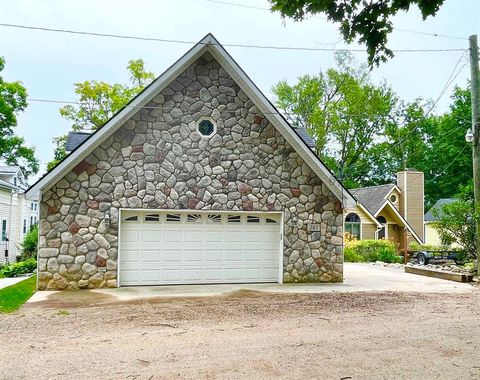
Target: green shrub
29, 244
371, 251
414, 246
17, 269
389, 257
351, 256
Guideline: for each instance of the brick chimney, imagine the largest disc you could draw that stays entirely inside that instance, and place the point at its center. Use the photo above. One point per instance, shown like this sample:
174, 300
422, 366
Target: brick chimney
411, 183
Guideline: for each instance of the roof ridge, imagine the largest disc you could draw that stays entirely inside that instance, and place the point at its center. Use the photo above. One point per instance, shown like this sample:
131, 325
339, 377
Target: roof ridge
369, 187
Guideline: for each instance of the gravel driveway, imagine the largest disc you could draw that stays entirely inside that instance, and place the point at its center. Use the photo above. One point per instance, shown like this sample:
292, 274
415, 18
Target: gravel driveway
247, 334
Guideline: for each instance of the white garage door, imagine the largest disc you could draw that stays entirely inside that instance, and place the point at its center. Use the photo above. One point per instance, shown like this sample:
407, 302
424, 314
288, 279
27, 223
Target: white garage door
158, 248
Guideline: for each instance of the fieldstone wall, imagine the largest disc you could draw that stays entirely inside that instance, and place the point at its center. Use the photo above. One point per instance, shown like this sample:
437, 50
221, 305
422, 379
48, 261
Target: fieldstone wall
157, 160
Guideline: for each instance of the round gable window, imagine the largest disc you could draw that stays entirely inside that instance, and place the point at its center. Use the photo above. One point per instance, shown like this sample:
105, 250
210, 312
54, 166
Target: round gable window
206, 128
393, 198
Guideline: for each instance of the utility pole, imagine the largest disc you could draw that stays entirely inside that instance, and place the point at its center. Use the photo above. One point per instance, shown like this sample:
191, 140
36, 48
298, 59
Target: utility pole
475, 84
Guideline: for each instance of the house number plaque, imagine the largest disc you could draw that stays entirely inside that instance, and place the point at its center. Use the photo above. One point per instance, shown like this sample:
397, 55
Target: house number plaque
313, 227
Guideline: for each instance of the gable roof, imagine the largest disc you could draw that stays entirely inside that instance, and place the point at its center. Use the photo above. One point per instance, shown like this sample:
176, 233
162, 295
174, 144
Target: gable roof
430, 217
74, 139
372, 197
210, 44
303, 134
393, 209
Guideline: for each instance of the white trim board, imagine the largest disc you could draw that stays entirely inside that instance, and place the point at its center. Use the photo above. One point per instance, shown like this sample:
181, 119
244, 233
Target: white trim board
397, 213
210, 44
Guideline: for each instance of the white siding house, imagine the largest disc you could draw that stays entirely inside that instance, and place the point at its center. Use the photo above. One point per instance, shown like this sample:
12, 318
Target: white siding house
17, 215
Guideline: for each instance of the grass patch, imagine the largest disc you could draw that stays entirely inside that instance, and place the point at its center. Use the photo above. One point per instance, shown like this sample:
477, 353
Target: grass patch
14, 296
63, 312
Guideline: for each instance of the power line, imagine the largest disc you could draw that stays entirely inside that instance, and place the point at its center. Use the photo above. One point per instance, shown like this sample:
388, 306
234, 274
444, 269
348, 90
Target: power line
72, 102
186, 42
450, 80
325, 18
430, 34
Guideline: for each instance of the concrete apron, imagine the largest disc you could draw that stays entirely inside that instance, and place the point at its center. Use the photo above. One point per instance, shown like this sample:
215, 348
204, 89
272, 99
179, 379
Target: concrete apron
358, 278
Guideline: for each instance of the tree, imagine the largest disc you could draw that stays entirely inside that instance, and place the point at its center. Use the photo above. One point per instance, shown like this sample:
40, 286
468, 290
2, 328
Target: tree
447, 163
98, 102
29, 244
344, 113
369, 21
456, 223
59, 152
434, 144
404, 143
13, 151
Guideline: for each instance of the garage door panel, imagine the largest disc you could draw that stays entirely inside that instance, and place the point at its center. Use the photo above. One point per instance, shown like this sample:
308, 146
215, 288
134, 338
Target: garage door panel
172, 275
194, 236
131, 236
130, 256
211, 254
153, 256
150, 236
233, 236
172, 236
193, 255
211, 250
214, 236
172, 255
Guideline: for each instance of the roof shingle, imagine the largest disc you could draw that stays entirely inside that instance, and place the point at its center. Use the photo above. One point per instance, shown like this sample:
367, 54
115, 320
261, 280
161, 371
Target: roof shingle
372, 197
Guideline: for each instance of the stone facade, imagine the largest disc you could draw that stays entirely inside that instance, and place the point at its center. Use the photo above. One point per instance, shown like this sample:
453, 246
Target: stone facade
157, 160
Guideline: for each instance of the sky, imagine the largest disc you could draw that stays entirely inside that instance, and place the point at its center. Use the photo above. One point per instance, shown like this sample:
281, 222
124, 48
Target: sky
48, 64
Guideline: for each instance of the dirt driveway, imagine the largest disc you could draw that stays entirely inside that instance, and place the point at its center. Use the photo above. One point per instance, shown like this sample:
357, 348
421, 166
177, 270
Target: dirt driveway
247, 334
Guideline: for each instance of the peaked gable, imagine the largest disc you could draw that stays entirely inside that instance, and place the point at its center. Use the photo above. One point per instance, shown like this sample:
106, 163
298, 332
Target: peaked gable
141, 104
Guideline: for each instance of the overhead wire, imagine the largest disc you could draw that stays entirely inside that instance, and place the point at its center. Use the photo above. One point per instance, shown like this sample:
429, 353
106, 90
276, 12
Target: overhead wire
449, 81
230, 3
188, 42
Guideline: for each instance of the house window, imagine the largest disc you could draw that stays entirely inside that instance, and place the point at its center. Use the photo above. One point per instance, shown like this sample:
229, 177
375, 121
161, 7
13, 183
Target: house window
382, 232
24, 226
35, 206
31, 206
31, 221
352, 225
206, 128
393, 198
4, 230
15, 181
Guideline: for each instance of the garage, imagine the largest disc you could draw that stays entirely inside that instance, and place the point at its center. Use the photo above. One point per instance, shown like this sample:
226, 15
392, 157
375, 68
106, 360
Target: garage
187, 247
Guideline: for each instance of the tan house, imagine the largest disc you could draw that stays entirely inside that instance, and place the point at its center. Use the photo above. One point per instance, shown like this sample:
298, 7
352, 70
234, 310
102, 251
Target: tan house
432, 237
389, 211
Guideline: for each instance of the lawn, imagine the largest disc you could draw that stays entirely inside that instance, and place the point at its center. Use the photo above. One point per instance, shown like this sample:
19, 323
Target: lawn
14, 296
